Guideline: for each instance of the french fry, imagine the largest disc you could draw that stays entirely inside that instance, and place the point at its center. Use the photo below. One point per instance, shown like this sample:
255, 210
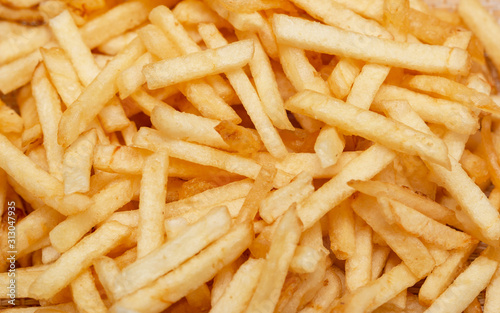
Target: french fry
466, 286
492, 300
149, 139
330, 290
453, 91
10, 121
195, 12
110, 199
119, 159
132, 78
77, 163
198, 64
23, 43
358, 266
24, 278
262, 186
336, 190
85, 294
341, 230
150, 267
19, 72
379, 259
366, 85
78, 258
370, 297
336, 113
343, 76
284, 241
152, 203
248, 96
49, 113
170, 288
239, 291
410, 249
123, 17
114, 45
327, 39
451, 114
483, 25
368, 8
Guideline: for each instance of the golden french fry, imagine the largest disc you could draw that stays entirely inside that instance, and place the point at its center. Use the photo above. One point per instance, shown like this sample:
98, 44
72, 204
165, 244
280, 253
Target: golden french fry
358, 265
492, 299
341, 230
77, 163
327, 39
78, 258
85, 294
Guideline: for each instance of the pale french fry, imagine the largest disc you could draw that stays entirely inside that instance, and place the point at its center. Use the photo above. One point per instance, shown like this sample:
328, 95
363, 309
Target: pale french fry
247, 94
49, 113
337, 15
45, 186
336, 190
30, 16
24, 278
341, 230
443, 275
483, 24
343, 77
266, 85
195, 12
410, 249
308, 262
284, 241
119, 159
75, 119
453, 91
426, 228
172, 287
149, 139
368, 8
451, 114
366, 85
414, 200
466, 286
107, 271
132, 78
222, 280
379, 258
348, 118
49, 255
22, 43
330, 290
327, 39
80, 257
239, 291
123, 17
19, 72
10, 121
62, 75
371, 296
110, 199
85, 294
77, 163
152, 203
194, 238
114, 45
492, 299
199, 64
358, 266
280, 200
157, 43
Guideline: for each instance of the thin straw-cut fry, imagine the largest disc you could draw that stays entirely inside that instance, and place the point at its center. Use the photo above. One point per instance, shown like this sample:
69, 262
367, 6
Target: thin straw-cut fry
193, 238
451, 114
362, 122
337, 15
266, 85
239, 291
152, 203
123, 17
108, 200
358, 266
199, 64
149, 139
62, 74
49, 113
248, 96
483, 24
341, 230
85, 109
78, 258
428, 229
327, 39
378, 292
284, 241
453, 91
280, 200
336, 190
77, 163
443, 275
44, 186
410, 249
172, 287
19, 72
466, 286
85, 294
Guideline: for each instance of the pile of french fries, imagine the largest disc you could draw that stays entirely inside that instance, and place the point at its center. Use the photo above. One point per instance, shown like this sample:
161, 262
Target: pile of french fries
255, 156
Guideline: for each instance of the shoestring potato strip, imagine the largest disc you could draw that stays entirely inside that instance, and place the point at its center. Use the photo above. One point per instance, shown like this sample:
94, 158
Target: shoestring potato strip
259, 156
